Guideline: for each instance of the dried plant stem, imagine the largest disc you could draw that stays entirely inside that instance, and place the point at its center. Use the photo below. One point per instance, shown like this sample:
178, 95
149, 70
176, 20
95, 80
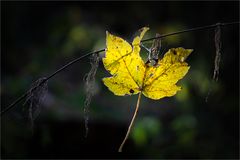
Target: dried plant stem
90, 84
131, 124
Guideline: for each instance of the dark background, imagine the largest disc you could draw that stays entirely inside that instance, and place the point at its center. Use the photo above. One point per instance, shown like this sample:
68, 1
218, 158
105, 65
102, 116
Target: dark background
39, 37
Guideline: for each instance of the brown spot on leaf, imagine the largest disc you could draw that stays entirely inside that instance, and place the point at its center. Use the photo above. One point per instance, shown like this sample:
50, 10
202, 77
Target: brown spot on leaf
138, 68
174, 52
131, 91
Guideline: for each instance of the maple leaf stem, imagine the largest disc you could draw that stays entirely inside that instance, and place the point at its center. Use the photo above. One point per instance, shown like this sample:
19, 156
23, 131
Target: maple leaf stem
131, 124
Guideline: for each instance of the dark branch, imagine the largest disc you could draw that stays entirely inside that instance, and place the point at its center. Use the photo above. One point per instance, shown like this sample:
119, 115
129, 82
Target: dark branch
191, 30
101, 50
47, 78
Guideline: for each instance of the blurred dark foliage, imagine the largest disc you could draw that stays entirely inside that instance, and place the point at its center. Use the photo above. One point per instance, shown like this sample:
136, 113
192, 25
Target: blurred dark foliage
39, 37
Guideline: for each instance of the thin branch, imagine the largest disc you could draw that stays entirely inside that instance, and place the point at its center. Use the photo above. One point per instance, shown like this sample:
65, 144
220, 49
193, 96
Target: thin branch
191, 30
47, 78
101, 50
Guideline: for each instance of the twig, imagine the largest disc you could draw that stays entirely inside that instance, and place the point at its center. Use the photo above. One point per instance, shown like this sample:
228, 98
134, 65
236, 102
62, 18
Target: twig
47, 78
101, 50
191, 30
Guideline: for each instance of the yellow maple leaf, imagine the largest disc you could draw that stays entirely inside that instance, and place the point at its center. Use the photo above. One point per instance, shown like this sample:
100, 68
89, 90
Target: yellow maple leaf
130, 75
